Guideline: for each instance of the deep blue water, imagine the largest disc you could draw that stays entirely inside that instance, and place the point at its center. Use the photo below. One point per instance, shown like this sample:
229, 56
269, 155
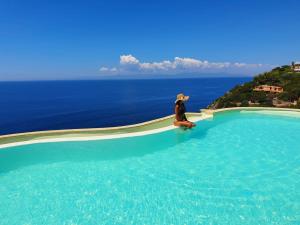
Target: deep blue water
48, 105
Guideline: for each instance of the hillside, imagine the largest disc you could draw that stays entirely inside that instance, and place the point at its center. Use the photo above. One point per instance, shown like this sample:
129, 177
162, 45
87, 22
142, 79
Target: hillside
245, 95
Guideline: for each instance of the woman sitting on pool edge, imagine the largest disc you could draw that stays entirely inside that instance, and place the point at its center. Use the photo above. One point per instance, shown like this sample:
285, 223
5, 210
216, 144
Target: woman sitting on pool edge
180, 118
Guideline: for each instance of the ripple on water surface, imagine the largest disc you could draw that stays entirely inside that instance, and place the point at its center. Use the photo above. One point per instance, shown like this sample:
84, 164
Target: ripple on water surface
235, 169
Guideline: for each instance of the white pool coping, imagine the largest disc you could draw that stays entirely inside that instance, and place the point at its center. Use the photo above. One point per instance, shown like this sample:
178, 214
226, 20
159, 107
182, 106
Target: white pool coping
205, 114
196, 117
212, 111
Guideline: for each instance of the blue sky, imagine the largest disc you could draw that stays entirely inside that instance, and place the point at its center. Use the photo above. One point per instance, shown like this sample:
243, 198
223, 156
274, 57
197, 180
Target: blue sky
93, 39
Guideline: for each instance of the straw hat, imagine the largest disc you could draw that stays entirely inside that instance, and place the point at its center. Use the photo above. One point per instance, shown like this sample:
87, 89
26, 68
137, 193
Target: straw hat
182, 97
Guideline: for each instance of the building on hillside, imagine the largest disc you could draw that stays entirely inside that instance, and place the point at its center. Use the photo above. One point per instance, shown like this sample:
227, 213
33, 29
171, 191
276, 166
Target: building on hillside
268, 88
296, 66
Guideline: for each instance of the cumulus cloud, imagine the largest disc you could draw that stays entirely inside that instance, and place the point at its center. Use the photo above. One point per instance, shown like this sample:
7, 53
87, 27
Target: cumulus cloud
131, 65
128, 59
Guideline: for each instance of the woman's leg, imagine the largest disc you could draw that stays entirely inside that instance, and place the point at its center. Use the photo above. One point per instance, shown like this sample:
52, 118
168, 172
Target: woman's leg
183, 124
192, 124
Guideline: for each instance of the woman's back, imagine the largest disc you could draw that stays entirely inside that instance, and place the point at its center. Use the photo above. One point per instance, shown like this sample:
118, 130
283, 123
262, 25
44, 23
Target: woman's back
180, 111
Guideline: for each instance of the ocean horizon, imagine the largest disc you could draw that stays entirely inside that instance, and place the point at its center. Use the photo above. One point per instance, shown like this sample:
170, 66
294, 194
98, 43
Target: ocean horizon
69, 104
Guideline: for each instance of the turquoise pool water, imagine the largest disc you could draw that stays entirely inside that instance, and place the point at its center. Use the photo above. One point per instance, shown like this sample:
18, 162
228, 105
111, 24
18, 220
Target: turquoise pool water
238, 168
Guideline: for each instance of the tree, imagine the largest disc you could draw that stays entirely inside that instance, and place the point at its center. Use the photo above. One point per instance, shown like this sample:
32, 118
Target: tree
245, 103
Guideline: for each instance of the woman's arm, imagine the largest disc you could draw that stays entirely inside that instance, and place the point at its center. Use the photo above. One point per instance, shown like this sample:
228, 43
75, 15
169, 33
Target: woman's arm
176, 113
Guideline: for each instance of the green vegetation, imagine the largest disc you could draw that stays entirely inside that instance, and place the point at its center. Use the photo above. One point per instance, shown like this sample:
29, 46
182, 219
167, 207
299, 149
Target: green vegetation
244, 95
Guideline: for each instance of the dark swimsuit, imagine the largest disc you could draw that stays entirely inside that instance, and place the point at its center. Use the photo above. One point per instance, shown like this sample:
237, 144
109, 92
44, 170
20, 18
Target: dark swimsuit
181, 111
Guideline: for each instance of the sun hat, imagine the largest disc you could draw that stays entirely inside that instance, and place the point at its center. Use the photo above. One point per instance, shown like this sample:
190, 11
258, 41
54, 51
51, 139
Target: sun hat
182, 97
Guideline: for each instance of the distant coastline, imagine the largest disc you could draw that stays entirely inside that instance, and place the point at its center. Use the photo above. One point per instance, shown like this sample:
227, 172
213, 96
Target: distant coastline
138, 77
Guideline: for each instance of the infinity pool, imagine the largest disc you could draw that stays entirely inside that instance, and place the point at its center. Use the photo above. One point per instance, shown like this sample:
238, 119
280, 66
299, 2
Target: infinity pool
237, 168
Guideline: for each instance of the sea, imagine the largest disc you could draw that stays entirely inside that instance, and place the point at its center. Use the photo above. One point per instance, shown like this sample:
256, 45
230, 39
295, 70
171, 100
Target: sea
51, 105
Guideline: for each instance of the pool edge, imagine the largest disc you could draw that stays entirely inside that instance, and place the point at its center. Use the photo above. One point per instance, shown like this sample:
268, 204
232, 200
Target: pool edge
204, 114
44, 139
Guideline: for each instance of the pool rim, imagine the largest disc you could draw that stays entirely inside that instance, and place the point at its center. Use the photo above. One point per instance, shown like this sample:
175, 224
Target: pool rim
195, 117
143, 126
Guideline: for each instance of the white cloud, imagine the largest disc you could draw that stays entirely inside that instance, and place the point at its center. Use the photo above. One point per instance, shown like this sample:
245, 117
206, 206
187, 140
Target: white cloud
104, 69
108, 70
131, 65
128, 59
